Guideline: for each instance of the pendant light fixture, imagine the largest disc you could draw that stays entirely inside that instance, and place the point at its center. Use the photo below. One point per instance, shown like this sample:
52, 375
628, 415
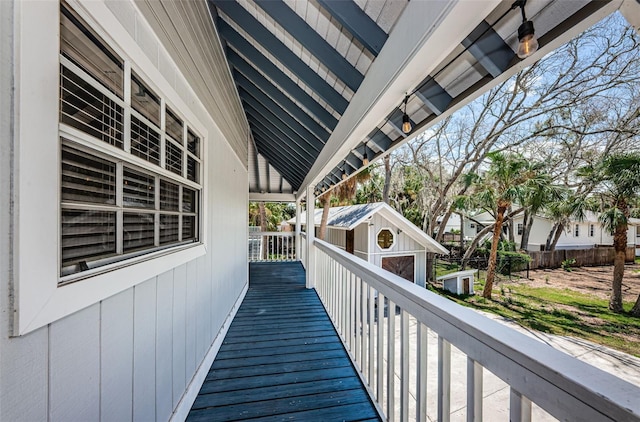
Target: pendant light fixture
406, 122
365, 159
527, 41
344, 172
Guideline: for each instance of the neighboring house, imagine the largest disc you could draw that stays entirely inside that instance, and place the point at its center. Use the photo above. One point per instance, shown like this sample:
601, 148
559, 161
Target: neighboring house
585, 234
472, 224
379, 234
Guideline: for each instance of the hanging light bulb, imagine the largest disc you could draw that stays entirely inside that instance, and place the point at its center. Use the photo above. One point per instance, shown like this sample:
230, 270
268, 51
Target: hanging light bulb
344, 172
365, 159
527, 41
406, 122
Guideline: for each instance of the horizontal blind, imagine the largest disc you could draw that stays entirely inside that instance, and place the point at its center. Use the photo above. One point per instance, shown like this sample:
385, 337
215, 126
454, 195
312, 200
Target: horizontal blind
138, 189
145, 141
86, 178
138, 231
87, 235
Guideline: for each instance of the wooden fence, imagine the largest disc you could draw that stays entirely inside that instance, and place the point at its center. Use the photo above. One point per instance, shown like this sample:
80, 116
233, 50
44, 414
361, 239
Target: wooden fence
584, 257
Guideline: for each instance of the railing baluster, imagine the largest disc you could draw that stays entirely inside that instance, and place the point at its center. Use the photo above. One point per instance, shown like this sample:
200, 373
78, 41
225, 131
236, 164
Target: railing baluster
352, 314
474, 391
358, 319
421, 378
519, 407
363, 321
444, 380
371, 325
391, 360
380, 348
404, 366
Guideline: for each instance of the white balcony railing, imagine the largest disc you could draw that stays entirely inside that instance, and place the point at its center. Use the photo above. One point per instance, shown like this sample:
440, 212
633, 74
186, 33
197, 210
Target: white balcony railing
385, 321
272, 246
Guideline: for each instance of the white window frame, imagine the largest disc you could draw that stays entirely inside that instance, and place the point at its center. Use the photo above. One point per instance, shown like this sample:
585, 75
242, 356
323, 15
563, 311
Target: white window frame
392, 243
576, 230
36, 297
592, 230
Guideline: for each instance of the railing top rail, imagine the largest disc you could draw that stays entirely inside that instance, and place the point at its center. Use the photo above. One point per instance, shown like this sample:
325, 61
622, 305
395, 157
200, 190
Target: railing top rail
564, 386
282, 234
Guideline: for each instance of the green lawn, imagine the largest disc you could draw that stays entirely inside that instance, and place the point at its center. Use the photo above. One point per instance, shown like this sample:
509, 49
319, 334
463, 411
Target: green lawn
560, 311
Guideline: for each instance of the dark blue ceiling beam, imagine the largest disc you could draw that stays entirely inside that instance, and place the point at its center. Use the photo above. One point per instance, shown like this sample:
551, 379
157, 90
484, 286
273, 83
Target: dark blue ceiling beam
305, 155
395, 120
266, 143
382, 141
353, 161
297, 157
284, 121
359, 152
288, 174
357, 22
285, 103
265, 65
312, 41
287, 57
434, 96
489, 49
310, 105
293, 180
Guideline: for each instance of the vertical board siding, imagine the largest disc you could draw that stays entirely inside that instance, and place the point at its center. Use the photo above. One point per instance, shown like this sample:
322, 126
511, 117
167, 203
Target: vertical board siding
164, 346
144, 356
190, 326
74, 374
116, 357
23, 371
360, 241
132, 355
179, 332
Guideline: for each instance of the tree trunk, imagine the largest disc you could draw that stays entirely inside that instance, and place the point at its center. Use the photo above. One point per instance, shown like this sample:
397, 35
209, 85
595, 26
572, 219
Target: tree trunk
474, 243
620, 247
493, 256
556, 237
461, 233
635, 311
325, 200
387, 179
527, 222
552, 232
512, 237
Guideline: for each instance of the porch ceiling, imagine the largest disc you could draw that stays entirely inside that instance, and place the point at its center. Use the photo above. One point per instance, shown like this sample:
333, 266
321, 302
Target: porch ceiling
322, 82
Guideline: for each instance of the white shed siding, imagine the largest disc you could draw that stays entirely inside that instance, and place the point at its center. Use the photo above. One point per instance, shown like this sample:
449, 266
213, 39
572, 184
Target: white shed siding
131, 355
361, 239
403, 245
337, 237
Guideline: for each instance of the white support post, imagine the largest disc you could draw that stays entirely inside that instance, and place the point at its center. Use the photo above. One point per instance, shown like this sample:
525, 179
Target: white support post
298, 245
311, 234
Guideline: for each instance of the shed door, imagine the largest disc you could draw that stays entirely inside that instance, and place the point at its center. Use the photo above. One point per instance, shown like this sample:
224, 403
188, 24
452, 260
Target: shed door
349, 241
400, 265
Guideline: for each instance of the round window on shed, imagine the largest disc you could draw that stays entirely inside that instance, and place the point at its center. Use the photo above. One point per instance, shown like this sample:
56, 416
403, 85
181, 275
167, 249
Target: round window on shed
385, 239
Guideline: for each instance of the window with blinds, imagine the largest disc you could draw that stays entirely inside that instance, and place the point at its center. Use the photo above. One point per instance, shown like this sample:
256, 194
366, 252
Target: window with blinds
128, 186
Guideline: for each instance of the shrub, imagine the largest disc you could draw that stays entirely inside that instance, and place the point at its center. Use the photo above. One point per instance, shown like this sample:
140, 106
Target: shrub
568, 263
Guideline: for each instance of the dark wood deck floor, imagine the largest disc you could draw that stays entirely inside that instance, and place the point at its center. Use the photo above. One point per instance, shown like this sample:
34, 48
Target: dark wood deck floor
281, 359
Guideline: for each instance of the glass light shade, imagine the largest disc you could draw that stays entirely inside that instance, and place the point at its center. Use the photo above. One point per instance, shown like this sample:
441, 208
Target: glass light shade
406, 124
528, 43
344, 176
365, 161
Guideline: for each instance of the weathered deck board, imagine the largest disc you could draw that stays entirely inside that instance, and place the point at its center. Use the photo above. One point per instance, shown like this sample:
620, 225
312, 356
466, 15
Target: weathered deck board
281, 359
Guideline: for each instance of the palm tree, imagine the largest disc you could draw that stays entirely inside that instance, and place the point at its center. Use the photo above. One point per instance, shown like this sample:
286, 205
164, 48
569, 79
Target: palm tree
617, 180
509, 179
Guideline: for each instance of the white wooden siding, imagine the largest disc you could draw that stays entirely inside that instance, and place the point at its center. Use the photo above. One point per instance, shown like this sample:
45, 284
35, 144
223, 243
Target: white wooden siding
361, 238
336, 237
116, 359
182, 27
130, 355
403, 245
74, 367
